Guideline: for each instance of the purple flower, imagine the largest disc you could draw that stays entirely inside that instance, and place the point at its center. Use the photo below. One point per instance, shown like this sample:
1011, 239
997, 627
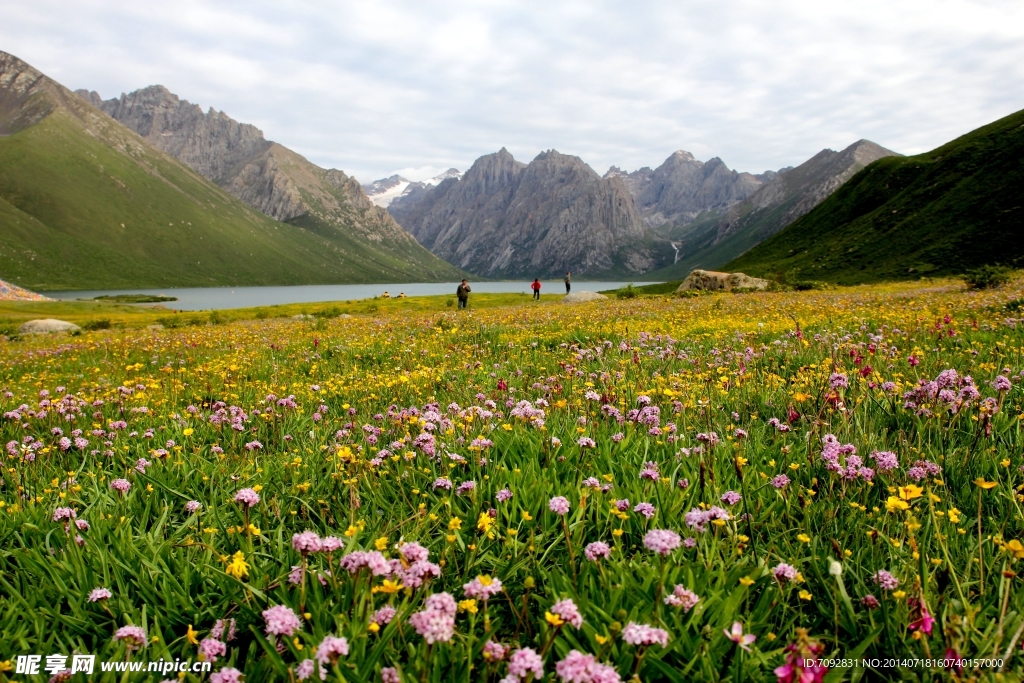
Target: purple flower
494, 652
389, 674
465, 487
98, 594
281, 621
559, 505
586, 442
885, 580
622, 505
784, 573
305, 669
597, 550
482, 588
780, 481
731, 497
1002, 383
384, 615
580, 668
193, 506
642, 635
870, 602
885, 460
662, 541
121, 485
838, 381
61, 514
443, 483
503, 495
433, 625
645, 509
247, 497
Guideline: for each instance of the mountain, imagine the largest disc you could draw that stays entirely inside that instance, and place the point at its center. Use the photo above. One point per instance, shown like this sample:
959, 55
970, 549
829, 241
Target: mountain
719, 236
383, 192
683, 188
942, 212
276, 181
504, 218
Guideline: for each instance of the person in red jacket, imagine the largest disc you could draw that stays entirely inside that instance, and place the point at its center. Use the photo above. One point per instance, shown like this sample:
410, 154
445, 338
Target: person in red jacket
536, 289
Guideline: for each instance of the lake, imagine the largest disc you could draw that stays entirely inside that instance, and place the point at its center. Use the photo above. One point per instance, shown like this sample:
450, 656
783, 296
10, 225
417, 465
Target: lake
207, 298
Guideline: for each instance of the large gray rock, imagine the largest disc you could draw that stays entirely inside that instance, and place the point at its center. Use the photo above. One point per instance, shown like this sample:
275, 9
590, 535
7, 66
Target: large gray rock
582, 297
48, 326
714, 281
504, 218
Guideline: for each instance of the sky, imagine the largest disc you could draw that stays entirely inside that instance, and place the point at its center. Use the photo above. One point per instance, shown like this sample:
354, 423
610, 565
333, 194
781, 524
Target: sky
382, 87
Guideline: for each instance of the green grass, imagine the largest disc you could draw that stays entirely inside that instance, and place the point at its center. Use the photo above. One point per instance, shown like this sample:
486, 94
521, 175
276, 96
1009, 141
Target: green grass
943, 212
96, 208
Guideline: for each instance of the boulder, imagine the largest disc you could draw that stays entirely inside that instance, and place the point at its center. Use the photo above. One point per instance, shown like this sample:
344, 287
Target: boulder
711, 280
582, 297
48, 326
303, 316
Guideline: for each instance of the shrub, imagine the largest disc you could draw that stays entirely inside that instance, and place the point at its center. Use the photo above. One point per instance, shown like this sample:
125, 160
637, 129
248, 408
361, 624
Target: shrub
97, 324
987, 277
627, 292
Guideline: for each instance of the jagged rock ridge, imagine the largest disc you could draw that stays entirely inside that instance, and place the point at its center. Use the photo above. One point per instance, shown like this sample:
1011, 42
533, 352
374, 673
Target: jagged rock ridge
504, 218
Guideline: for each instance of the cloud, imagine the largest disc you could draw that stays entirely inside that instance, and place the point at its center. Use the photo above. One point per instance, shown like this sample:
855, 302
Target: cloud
423, 86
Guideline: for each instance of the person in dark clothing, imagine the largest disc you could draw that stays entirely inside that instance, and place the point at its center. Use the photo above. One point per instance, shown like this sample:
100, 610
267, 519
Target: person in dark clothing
463, 293
568, 281
536, 288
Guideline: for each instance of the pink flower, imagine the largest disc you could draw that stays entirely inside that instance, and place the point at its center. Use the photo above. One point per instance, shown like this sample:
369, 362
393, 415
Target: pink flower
193, 506
389, 674
885, 580
226, 675
281, 621
331, 649
247, 497
98, 594
211, 648
121, 485
434, 625
307, 542
642, 635
524, 662
568, 611
921, 619
580, 668
414, 552
384, 615
494, 652
482, 588
559, 505
737, 636
683, 597
784, 573
60, 514
134, 637
442, 602
305, 669
802, 663
597, 550
662, 541
645, 509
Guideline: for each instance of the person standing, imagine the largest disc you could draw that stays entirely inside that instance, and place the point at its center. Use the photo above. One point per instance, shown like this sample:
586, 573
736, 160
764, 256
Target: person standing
536, 289
463, 294
568, 281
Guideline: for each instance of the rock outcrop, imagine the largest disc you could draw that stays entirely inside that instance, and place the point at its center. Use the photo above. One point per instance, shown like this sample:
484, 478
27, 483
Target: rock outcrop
714, 281
504, 218
582, 297
48, 326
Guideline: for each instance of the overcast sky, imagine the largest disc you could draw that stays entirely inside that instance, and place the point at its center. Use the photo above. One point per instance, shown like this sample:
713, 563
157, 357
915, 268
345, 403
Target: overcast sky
415, 87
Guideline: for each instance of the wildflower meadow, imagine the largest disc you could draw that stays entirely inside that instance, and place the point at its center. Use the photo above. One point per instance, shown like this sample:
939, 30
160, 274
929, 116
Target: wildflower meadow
802, 486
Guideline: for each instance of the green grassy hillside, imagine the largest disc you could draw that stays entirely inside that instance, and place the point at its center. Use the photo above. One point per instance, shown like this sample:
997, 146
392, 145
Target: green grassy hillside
942, 212
87, 204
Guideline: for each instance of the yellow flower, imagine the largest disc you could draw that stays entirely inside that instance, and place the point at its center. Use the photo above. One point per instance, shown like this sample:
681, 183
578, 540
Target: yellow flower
526, 516
803, 538
351, 531
617, 533
297, 643
188, 432
485, 522
374, 627
746, 581
468, 606
899, 595
910, 492
804, 595
1005, 462
389, 587
601, 640
6, 665
454, 524
237, 566
1017, 548
980, 481
381, 543
954, 515
553, 619
190, 635
894, 504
